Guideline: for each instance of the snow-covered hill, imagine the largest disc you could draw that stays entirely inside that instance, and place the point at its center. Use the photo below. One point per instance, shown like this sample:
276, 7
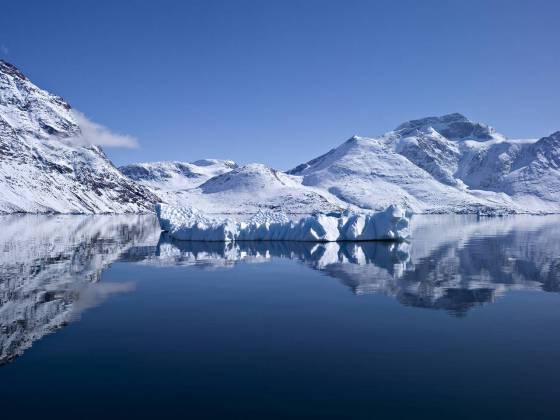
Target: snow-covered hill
175, 176
255, 187
236, 190
47, 164
174, 181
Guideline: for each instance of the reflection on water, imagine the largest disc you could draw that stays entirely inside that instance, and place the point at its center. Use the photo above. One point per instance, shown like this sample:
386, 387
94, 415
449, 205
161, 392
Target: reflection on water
50, 266
452, 262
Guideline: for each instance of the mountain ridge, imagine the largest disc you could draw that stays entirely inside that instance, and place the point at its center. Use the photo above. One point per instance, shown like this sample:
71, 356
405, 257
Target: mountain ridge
485, 170
437, 164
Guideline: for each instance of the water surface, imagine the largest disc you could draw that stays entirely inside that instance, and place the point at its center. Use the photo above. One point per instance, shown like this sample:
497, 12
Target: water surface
105, 316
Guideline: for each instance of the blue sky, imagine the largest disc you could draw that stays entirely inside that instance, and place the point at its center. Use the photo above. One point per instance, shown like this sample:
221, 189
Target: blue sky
281, 82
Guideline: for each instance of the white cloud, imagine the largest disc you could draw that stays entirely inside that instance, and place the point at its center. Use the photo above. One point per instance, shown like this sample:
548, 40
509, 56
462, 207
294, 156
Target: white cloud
94, 133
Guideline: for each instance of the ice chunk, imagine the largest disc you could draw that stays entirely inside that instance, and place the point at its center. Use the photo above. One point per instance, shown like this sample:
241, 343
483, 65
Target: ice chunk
189, 224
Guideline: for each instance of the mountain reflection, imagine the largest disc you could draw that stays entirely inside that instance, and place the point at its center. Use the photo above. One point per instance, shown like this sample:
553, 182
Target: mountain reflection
452, 263
50, 266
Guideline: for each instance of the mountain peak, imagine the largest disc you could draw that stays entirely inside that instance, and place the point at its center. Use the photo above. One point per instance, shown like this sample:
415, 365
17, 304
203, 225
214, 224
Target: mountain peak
246, 177
30, 110
9, 68
555, 135
454, 126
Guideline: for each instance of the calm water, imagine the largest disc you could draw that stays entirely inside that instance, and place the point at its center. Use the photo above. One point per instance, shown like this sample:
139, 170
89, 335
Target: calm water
103, 316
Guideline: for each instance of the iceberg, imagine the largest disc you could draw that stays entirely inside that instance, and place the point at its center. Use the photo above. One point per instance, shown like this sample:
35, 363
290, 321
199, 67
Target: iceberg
189, 224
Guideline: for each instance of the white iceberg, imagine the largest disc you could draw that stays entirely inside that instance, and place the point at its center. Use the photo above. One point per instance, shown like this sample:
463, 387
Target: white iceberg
189, 224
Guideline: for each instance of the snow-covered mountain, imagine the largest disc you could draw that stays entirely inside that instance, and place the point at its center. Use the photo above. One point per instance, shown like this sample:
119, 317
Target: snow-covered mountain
445, 164
46, 164
370, 174
255, 187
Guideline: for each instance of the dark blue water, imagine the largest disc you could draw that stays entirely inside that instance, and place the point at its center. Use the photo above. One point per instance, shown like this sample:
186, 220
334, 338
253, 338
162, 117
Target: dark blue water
103, 317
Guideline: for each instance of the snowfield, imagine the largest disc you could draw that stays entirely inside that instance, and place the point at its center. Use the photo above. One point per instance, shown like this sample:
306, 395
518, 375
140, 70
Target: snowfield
187, 223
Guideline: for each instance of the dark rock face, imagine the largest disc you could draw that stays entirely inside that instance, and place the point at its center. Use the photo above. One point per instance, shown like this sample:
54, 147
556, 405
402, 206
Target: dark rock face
452, 126
10, 69
548, 149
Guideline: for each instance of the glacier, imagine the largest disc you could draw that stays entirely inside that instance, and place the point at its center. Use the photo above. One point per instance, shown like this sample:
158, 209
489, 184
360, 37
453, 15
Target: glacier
189, 224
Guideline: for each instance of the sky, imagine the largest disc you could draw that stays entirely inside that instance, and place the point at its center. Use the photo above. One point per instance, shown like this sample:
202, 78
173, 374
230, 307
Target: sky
281, 82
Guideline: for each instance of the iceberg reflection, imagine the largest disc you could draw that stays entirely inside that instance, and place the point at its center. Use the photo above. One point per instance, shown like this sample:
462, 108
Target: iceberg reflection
452, 263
